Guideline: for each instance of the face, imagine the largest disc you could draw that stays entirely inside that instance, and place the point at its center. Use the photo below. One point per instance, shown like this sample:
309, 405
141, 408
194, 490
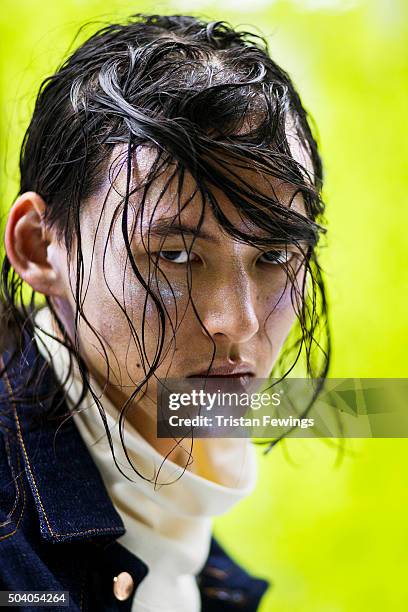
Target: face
237, 313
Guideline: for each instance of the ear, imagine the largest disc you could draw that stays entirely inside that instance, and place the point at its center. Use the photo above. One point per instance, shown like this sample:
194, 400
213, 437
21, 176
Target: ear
27, 240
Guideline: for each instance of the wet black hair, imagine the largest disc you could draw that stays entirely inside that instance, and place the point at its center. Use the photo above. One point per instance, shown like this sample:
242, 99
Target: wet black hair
209, 101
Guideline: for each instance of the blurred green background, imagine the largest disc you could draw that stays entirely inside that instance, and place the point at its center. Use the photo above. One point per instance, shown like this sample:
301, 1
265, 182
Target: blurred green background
328, 528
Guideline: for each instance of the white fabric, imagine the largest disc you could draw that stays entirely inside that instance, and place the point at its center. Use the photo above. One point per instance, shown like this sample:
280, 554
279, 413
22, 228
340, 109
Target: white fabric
169, 526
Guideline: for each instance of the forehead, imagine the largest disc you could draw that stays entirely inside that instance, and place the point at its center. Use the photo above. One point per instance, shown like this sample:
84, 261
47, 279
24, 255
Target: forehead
171, 195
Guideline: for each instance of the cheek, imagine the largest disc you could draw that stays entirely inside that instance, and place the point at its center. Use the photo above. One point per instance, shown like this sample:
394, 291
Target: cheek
171, 297
279, 308
279, 314
144, 313
278, 295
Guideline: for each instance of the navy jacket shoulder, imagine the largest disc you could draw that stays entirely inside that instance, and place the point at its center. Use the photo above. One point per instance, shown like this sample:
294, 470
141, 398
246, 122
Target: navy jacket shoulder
58, 526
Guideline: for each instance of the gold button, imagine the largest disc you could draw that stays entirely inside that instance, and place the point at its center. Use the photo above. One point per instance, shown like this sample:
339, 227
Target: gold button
123, 586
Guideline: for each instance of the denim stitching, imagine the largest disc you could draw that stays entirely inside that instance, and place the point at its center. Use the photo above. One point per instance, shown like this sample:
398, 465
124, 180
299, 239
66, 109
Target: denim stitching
10, 463
8, 535
56, 535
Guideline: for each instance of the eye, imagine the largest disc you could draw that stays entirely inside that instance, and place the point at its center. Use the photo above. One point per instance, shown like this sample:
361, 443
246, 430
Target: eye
276, 257
178, 257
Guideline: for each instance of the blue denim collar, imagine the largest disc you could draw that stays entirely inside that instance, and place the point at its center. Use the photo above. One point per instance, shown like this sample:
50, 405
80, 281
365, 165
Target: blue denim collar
70, 496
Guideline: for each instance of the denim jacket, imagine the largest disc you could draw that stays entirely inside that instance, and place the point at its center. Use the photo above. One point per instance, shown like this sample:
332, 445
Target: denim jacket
58, 525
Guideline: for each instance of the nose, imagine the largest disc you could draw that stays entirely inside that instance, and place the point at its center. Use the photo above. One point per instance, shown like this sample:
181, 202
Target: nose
230, 310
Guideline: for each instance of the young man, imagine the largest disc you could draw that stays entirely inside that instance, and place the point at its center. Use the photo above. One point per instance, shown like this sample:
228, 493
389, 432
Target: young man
169, 211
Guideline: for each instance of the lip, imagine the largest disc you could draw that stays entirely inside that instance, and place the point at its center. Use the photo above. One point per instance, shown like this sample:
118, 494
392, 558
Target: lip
225, 371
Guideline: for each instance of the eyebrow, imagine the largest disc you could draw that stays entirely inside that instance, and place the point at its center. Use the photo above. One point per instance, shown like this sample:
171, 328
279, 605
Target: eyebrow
165, 228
